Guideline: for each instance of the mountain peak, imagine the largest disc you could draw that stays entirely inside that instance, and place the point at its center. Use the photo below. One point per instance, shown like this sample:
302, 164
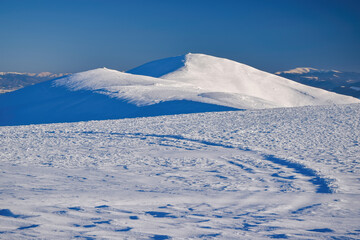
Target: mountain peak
182, 84
305, 70
298, 70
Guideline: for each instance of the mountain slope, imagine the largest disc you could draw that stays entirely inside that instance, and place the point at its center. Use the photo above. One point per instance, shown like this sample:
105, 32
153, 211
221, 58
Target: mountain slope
11, 81
187, 84
347, 83
214, 74
70, 99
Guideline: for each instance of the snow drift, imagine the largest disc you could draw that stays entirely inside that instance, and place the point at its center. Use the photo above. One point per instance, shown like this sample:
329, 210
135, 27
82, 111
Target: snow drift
183, 84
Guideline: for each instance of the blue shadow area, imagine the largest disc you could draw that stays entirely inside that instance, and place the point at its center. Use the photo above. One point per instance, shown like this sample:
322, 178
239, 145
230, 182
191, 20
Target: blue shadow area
43, 103
322, 186
160, 214
160, 237
322, 230
160, 67
8, 213
279, 236
123, 229
27, 227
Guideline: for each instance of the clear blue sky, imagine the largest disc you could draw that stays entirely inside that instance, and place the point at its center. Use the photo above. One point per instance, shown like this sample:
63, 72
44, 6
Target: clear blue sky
272, 35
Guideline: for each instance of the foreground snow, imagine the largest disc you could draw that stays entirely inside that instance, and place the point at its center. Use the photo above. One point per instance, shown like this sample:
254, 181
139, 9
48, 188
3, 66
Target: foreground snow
277, 173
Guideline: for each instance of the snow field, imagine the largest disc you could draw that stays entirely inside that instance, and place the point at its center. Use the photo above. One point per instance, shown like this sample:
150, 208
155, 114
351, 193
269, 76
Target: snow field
276, 173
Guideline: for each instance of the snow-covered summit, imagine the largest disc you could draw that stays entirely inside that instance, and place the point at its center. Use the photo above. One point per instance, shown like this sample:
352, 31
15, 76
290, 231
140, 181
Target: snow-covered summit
219, 76
305, 70
299, 70
183, 84
201, 78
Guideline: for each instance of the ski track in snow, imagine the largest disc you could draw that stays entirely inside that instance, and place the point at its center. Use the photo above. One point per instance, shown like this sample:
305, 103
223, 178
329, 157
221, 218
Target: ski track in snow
279, 173
316, 179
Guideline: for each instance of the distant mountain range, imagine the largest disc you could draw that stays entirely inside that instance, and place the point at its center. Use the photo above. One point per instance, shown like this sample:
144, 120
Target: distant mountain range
11, 81
190, 83
347, 83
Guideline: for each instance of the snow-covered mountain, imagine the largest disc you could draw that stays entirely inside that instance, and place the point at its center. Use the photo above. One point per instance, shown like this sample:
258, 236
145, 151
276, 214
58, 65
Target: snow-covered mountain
235, 84
183, 84
347, 83
11, 81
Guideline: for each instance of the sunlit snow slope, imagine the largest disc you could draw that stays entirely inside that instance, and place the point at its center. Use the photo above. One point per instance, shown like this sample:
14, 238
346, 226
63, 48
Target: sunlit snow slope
238, 85
185, 84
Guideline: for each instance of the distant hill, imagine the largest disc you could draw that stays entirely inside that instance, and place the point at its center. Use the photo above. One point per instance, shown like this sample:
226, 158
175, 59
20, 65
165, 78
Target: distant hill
347, 83
11, 81
191, 83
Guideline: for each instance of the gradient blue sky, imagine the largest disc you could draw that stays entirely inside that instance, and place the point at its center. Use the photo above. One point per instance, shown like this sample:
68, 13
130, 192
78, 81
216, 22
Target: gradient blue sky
272, 35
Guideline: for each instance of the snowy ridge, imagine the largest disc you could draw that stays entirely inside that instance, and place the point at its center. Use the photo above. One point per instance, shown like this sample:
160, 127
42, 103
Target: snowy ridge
183, 84
303, 70
140, 90
215, 74
202, 78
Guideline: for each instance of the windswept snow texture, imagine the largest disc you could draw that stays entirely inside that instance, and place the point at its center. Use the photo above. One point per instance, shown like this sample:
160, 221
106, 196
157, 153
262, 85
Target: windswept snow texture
184, 84
288, 173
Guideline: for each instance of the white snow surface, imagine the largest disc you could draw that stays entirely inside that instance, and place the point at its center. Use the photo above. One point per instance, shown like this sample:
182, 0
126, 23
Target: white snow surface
137, 89
239, 82
302, 70
274, 173
202, 78
299, 70
184, 84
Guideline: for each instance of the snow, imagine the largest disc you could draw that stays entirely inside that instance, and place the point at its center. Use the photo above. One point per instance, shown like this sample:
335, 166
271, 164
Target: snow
273, 173
355, 88
215, 74
184, 84
40, 75
299, 70
202, 78
218, 77
304, 70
